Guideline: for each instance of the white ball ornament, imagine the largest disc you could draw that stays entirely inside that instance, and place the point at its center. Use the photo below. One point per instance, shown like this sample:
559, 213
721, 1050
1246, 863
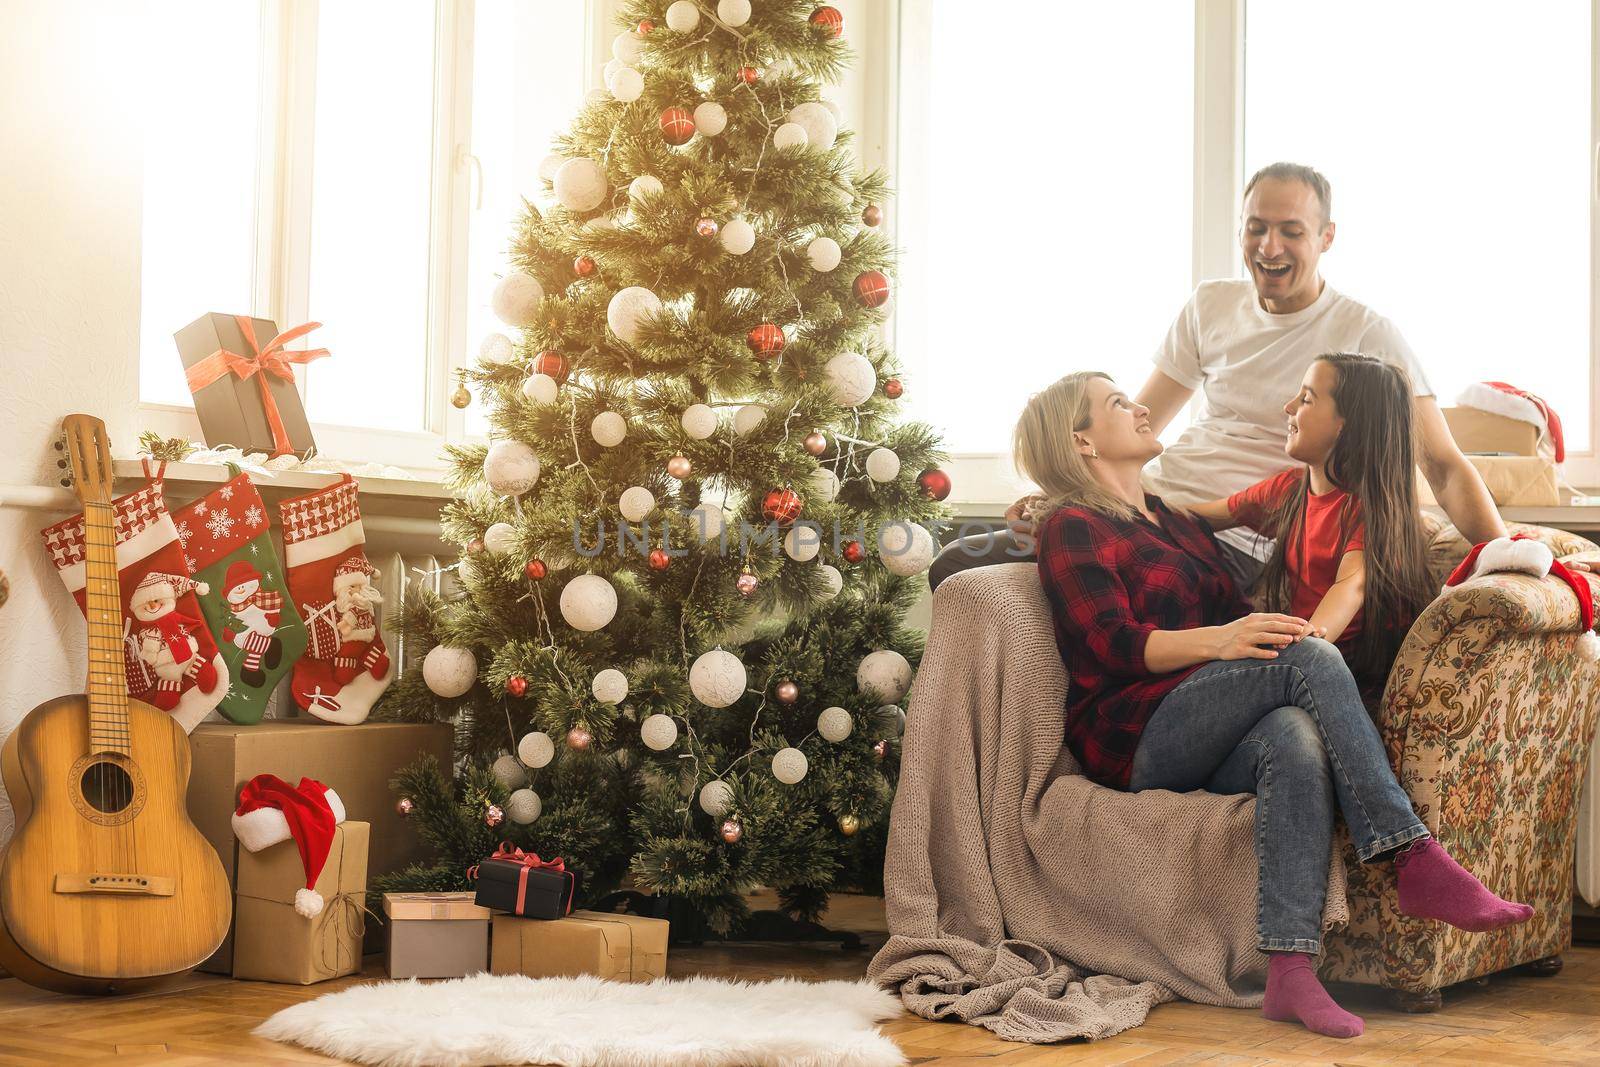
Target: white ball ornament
658, 732
850, 378
610, 686
789, 135
824, 254
608, 429
609, 71
588, 602
500, 538
510, 468
645, 185
496, 348
802, 542
536, 749
738, 237
747, 418
594, 96
717, 678
516, 298
449, 672
906, 548
818, 122
832, 581
630, 309
580, 184
710, 118
824, 484
627, 47
683, 16
509, 772
524, 807
789, 766
699, 421
833, 109
716, 797
636, 502
733, 12
835, 724
708, 521
626, 85
883, 465
541, 389
549, 165
884, 675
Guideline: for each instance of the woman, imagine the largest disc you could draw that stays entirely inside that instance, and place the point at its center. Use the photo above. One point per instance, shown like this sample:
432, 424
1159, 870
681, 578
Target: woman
1176, 684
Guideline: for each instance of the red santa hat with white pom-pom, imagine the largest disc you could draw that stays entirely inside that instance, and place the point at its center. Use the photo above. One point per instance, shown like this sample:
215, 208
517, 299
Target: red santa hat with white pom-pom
271, 810
1523, 555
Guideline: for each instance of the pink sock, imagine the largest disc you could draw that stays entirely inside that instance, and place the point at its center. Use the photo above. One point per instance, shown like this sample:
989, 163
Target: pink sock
1294, 994
1434, 886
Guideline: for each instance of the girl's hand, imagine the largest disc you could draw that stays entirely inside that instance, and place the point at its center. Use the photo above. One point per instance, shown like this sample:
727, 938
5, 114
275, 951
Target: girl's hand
1258, 635
1311, 629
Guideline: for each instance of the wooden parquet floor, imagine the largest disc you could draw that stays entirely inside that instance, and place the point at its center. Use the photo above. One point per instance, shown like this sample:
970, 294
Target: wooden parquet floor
1512, 1021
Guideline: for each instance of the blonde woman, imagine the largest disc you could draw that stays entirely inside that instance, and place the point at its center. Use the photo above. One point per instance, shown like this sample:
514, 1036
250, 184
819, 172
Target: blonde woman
1174, 683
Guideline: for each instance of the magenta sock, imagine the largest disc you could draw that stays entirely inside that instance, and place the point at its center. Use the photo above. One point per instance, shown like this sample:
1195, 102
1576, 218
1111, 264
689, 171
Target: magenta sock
1294, 994
1434, 886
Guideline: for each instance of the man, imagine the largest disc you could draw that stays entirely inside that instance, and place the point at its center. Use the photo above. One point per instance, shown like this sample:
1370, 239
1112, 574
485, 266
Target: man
1245, 344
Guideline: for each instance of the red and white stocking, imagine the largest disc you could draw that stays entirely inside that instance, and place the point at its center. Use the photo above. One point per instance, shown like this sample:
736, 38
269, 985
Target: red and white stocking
169, 658
346, 666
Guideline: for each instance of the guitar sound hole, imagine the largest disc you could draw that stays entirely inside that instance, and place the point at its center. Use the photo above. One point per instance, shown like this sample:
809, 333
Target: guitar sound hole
107, 787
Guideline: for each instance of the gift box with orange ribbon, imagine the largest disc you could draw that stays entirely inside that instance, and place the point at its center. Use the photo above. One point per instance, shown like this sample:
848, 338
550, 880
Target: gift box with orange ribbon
242, 378
520, 883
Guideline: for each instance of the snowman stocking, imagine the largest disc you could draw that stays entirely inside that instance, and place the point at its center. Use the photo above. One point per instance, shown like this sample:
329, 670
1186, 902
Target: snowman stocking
169, 659
247, 608
346, 666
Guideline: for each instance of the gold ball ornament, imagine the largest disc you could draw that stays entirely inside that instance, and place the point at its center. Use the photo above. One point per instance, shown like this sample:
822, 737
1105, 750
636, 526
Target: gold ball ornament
461, 398
849, 824
872, 215
787, 692
816, 443
732, 831
679, 467
579, 738
404, 807
494, 816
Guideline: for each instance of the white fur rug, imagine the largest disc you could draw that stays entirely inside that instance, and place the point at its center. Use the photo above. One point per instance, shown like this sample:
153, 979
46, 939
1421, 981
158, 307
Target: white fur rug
587, 1022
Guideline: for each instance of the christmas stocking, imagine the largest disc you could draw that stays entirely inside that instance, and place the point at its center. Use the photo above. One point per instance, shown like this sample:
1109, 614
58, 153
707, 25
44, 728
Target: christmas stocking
169, 658
346, 666
260, 634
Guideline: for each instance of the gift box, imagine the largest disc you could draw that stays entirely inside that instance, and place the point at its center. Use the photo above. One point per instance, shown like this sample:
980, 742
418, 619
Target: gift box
626, 948
360, 760
272, 942
1513, 481
520, 883
436, 935
1486, 432
243, 384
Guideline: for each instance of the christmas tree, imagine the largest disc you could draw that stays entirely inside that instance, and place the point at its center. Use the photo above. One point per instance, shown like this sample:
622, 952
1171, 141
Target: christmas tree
677, 656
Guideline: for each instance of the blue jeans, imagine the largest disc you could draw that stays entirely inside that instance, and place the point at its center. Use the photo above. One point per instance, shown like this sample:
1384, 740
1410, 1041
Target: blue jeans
1293, 731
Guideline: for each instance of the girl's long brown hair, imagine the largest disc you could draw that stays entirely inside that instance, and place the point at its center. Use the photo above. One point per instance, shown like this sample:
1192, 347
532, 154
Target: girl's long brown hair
1372, 460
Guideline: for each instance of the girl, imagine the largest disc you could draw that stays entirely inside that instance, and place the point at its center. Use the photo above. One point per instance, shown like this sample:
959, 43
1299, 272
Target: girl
1351, 554
1176, 684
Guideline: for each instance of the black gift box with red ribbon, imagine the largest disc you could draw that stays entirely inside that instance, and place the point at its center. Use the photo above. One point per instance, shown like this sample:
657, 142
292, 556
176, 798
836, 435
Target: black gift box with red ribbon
520, 883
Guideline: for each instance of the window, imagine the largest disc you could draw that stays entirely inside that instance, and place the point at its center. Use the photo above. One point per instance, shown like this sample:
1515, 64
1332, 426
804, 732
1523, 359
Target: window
1457, 141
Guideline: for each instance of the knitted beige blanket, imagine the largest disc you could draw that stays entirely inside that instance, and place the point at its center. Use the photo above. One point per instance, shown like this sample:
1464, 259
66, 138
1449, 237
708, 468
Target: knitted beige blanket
1023, 897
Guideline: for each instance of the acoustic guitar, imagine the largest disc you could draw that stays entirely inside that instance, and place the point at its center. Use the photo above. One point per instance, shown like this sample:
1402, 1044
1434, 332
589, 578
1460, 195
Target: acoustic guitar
106, 886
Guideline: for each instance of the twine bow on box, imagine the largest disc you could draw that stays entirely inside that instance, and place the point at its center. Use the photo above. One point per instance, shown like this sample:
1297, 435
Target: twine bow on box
272, 359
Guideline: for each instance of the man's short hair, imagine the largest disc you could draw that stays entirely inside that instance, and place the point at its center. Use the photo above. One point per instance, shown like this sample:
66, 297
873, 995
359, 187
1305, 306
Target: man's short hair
1297, 172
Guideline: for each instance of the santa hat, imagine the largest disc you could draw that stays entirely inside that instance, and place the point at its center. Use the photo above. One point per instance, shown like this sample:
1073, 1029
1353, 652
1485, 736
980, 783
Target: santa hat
239, 572
1523, 555
271, 810
350, 571
1498, 398
158, 586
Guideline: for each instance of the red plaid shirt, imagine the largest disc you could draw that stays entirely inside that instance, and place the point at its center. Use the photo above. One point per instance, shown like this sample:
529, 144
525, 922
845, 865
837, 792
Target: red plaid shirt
1111, 582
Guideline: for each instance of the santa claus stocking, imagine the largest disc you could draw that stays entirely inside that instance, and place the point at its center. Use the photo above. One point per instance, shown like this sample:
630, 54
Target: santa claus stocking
346, 666
169, 658
225, 536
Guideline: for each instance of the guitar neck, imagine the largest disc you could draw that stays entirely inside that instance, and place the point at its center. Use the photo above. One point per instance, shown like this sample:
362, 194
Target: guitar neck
102, 601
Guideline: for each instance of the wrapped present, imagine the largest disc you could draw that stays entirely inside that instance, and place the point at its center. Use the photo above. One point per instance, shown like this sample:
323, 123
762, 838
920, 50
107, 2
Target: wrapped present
436, 935
275, 942
243, 385
1485, 432
1513, 481
625, 948
520, 883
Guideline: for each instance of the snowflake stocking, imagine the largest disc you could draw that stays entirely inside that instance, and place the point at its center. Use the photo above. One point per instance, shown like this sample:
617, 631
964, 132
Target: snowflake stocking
225, 536
169, 659
346, 666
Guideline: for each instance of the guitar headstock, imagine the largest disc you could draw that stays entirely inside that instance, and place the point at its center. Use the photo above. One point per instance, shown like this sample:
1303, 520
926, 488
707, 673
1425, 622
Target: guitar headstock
89, 453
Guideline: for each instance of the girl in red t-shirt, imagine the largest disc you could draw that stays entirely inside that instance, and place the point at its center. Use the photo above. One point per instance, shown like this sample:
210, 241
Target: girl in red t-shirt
1351, 553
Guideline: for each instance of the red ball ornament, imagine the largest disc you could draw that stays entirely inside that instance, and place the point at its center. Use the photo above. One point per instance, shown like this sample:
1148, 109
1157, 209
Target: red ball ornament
816, 443
854, 552
749, 75
579, 738
536, 570
732, 831
404, 807
659, 560
872, 288
892, 388
934, 483
829, 20
516, 685
494, 816
677, 126
766, 340
781, 505
706, 227
583, 266
746, 583
680, 467
554, 364
787, 692
644, 27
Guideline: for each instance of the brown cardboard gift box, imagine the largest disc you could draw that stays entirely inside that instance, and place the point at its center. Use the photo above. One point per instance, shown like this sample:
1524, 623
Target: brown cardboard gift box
274, 943
436, 935
1513, 481
627, 948
357, 761
1484, 431
233, 410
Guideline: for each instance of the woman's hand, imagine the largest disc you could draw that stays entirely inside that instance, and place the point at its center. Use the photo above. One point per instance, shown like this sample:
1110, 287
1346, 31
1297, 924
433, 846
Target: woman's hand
1019, 521
1259, 635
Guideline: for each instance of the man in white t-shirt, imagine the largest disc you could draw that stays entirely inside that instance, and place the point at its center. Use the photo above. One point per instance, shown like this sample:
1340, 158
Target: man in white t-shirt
1245, 343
